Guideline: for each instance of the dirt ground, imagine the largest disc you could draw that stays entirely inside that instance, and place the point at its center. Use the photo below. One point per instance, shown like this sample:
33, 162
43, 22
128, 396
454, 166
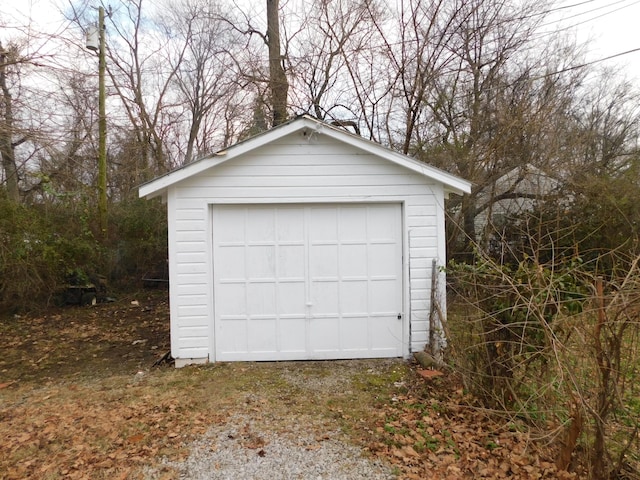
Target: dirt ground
68, 342
80, 398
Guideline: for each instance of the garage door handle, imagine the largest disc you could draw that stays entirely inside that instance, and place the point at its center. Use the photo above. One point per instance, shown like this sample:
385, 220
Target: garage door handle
399, 316
309, 304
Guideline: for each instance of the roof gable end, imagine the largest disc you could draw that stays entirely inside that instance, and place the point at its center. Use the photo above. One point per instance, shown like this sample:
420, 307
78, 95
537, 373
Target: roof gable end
308, 126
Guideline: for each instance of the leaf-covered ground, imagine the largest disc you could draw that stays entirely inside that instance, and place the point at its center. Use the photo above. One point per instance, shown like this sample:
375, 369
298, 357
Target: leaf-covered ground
79, 398
436, 432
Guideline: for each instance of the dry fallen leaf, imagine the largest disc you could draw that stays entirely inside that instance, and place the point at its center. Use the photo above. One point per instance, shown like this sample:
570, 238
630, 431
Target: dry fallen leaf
136, 438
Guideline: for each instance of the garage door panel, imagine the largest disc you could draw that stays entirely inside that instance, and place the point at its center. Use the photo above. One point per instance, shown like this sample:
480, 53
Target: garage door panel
383, 259
262, 334
260, 225
354, 297
261, 299
231, 264
290, 226
291, 261
383, 222
325, 299
291, 298
261, 261
322, 225
382, 298
229, 227
354, 260
235, 298
353, 224
380, 330
236, 333
323, 261
295, 339
324, 335
354, 332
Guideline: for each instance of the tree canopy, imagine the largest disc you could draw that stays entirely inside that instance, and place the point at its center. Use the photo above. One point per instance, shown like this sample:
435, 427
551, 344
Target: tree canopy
482, 89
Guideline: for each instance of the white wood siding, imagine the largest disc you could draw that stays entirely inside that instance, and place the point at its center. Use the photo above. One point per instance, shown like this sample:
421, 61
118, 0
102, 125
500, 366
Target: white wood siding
293, 170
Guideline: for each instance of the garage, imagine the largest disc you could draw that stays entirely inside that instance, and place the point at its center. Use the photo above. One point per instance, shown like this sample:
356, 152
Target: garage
305, 242
313, 282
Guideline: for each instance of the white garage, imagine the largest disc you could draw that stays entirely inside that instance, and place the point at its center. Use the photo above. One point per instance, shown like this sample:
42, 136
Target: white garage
305, 242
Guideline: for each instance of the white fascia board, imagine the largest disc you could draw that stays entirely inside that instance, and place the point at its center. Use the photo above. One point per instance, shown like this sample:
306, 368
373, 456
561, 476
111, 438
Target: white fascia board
157, 186
452, 183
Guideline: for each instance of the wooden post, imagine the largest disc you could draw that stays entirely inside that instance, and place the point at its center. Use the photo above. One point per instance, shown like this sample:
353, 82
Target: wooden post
602, 407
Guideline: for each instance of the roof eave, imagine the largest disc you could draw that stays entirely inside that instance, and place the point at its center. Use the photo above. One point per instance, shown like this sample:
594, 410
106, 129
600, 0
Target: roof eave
452, 183
158, 186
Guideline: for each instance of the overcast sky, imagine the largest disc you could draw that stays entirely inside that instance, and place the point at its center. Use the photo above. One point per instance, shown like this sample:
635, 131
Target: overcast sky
611, 25
612, 28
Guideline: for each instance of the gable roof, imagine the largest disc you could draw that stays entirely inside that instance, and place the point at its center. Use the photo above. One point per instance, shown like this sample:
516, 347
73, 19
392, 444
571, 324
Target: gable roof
156, 187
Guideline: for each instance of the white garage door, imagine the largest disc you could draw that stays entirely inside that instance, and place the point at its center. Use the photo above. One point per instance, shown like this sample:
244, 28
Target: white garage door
315, 282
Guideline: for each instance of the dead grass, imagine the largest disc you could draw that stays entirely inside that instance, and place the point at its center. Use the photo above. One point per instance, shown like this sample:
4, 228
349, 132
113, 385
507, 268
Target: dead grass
79, 399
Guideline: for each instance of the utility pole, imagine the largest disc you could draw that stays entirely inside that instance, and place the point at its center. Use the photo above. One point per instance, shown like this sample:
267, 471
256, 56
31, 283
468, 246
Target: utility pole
102, 119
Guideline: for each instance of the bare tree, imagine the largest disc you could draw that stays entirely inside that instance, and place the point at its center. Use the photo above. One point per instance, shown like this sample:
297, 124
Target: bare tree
261, 75
24, 111
456, 84
205, 74
65, 165
607, 125
278, 83
8, 57
332, 31
142, 75
418, 57
484, 107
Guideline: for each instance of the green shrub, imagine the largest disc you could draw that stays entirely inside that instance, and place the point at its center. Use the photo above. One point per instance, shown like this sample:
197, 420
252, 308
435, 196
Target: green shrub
138, 238
43, 247
556, 348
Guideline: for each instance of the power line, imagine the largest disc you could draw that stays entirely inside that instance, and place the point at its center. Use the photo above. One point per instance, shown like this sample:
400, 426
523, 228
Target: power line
572, 26
564, 7
556, 9
600, 8
586, 64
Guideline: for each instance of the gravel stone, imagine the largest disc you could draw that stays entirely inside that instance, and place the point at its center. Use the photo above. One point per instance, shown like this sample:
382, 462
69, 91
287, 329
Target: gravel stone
242, 449
253, 444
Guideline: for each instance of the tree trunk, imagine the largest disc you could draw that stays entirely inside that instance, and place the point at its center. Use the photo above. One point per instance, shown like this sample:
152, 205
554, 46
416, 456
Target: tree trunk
469, 225
277, 78
7, 151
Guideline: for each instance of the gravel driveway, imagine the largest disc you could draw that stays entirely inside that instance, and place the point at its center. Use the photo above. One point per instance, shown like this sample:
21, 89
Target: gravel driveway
257, 441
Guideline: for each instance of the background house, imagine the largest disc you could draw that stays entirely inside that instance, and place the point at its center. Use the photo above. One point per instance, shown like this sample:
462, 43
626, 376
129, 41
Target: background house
304, 242
509, 197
